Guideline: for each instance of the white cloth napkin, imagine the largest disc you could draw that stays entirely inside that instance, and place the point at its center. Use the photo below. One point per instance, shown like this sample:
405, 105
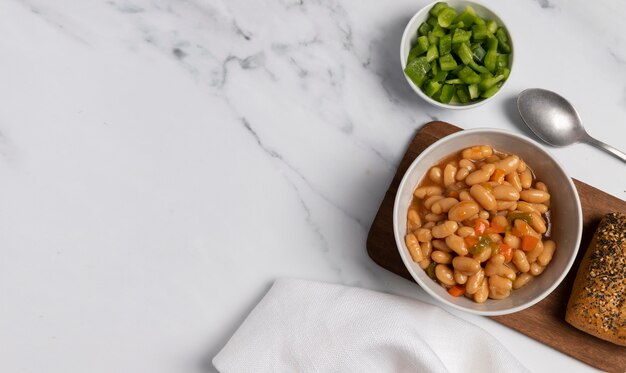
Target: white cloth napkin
304, 326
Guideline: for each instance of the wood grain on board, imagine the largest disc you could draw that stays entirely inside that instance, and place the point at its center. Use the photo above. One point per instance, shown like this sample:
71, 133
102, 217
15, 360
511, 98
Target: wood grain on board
544, 321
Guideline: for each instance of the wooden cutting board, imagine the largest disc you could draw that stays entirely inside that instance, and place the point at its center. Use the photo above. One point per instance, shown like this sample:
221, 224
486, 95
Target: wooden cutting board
544, 321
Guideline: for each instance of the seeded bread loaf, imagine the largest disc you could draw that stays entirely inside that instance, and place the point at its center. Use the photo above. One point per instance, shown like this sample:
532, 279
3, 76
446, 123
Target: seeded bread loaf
597, 304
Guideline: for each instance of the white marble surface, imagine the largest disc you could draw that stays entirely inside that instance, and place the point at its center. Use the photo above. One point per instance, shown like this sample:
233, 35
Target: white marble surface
162, 162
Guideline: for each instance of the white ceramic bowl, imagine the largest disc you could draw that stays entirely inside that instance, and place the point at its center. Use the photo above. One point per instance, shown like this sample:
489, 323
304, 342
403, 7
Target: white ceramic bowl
566, 217
409, 38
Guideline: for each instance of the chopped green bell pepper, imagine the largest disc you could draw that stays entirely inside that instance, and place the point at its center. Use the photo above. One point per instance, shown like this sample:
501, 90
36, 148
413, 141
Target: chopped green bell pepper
480, 32
424, 29
468, 76
446, 93
467, 16
431, 87
462, 94
417, 69
461, 35
465, 53
420, 48
446, 16
478, 53
447, 62
458, 56
445, 44
437, 8
432, 53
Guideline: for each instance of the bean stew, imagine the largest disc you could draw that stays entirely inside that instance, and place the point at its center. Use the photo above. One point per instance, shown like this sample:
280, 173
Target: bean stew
479, 224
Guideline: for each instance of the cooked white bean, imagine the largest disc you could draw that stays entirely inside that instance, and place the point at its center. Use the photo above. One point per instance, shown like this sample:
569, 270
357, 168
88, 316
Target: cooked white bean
492, 159
508, 164
506, 205
423, 234
499, 287
441, 246
428, 225
548, 252
525, 207
540, 207
461, 174
526, 178
445, 229
483, 214
427, 249
465, 232
506, 193
457, 244
513, 179
435, 175
414, 220
520, 261
497, 259
414, 247
483, 196
460, 278
483, 255
464, 195
444, 274
443, 205
467, 164
480, 176
500, 220
424, 263
449, 174
536, 269
537, 222
492, 269
456, 187
466, 265
522, 166
513, 241
522, 280
541, 186
427, 191
474, 282
463, 210
534, 196
477, 153
430, 201
441, 257
434, 217
481, 295
493, 264
495, 237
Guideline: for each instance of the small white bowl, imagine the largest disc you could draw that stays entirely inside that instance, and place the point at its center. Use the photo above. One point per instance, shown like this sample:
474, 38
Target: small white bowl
566, 217
409, 38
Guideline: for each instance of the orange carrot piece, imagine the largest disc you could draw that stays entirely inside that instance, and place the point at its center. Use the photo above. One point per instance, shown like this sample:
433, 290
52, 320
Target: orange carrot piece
480, 226
507, 251
529, 242
495, 228
471, 241
456, 291
498, 175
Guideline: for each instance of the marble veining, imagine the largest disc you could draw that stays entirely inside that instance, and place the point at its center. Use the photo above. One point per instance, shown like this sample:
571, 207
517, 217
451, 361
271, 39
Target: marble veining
164, 161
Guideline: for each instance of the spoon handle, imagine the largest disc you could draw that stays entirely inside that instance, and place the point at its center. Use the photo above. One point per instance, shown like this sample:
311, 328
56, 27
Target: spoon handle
608, 148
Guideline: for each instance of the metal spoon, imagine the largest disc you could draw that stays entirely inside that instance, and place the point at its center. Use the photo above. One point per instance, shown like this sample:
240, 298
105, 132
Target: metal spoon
554, 120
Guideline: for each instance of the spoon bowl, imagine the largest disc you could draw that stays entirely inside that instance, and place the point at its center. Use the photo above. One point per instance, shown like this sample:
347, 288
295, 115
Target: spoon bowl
554, 120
